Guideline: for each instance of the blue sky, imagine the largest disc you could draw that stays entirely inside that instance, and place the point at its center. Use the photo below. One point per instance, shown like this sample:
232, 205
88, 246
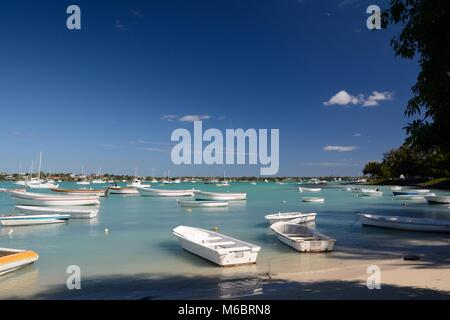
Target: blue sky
98, 97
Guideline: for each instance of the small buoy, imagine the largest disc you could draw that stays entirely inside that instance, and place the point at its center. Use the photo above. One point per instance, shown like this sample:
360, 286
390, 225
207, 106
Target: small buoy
106, 230
215, 228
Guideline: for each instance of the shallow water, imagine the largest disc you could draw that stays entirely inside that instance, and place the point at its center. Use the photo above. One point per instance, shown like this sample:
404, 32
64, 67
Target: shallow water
140, 242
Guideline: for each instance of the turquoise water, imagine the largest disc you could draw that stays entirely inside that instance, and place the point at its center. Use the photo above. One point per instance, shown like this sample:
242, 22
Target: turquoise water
140, 242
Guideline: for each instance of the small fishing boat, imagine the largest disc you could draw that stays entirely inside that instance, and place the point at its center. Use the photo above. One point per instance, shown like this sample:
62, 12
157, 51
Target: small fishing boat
202, 203
81, 212
12, 259
303, 189
85, 192
41, 185
84, 182
405, 223
223, 184
122, 190
137, 183
224, 196
215, 247
435, 199
33, 219
165, 192
413, 197
287, 216
40, 199
313, 199
370, 192
396, 188
302, 238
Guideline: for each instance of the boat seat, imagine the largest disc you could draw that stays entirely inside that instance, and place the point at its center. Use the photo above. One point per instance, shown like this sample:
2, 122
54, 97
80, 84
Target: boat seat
223, 243
234, 249
211, 239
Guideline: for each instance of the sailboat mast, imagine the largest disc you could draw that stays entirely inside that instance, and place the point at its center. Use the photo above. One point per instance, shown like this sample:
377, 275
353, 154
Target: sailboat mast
40, 163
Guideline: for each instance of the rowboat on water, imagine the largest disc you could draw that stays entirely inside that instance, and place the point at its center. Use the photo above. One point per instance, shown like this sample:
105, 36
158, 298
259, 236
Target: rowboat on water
33, 219
313, 199
302, 238
224, 196
287, 216
405, 223
40, 199
85, 192
414, 197
122, 190
396, 188
137, 183
215, 247
370, 192
303, 189
165, 192
13, 259
202, 203
81, 212
435, 199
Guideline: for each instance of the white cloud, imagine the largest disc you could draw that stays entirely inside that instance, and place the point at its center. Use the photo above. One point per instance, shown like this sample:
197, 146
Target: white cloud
194, 117
169, 117
340, 148
376, 97
186, 118
120, 26
342, 98
358, 134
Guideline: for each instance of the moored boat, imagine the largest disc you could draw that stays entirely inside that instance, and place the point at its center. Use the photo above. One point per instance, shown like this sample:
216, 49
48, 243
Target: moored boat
81, 212
370, 192
396, 188
165, 192
40, 199
302, 238
33, 219
12, 259
405, 223
85, 192
215, 247
313, 199
219, 196
202, 203
303, 189
122, 190
436, 199
287, 216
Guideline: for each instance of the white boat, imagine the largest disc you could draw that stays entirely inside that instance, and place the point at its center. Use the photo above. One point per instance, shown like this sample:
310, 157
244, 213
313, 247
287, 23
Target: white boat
13, 259
435, 199
137, 183
202, 203
396, 188
41, 185
253, 183
422, 191
313, 199
122, 190
165, 192
224, 196
40, 199
223, 184
85, 192
414, 197
81, 212
98, 181
33, 219
84, 182
287, 216
302, 238
405, 223
216, 247
303, 189
370, 192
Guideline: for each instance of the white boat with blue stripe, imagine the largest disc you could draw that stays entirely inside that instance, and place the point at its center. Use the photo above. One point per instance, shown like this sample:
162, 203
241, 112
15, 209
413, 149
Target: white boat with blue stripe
33, 219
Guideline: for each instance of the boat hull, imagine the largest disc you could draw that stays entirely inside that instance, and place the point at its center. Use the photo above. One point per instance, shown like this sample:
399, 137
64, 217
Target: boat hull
202, 204
317, 200
403, 223
438, 199
201, 195
300, 218
11, 259
165, 193
75, 213
34, 199
127, 190
28, 220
